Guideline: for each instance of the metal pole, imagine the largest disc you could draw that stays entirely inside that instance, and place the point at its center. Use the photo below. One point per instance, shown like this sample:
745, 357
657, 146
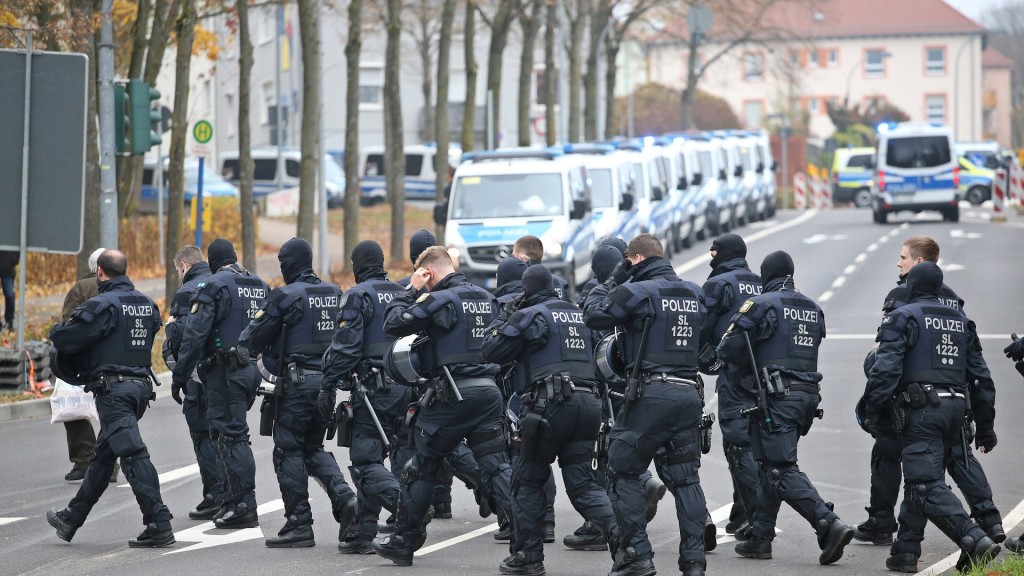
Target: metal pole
325, 261
158, 176
108, 179
198, 203
974, 92
785, 160
278, 120
23, 244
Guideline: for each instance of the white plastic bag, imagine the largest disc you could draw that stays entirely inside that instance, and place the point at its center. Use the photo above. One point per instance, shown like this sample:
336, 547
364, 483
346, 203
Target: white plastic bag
69, 403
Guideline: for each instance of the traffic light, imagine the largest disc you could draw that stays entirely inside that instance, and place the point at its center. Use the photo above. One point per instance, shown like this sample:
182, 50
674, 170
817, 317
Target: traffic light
121, 120
143, 116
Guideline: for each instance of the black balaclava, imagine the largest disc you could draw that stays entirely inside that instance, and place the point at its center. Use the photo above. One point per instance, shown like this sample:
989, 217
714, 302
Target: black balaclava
616, 242
729, 246
420, 241
296, 258
924, 278
220, 253
605, 259
778, 264
536, 279
368, 261
510, 269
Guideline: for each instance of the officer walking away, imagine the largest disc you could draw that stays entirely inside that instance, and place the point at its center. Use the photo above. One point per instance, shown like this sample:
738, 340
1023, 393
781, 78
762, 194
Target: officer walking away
780, 331
295, 327
963, 467
111, 335
220, 308
192, 270
730, 283
530, 249
661, 317
560, 418
927, 354
353, 362
1015, 352
453, 314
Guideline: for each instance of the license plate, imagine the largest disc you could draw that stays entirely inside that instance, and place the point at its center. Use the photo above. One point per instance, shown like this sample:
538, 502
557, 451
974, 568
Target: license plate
905, 188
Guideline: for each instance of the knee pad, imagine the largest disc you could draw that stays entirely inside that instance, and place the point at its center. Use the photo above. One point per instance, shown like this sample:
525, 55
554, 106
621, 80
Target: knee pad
420, 468
486, 442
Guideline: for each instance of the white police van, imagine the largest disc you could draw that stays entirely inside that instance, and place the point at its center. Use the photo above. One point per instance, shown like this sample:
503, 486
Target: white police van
611, 186
655, 198
916, 170
265, 178
501, 195
420, 176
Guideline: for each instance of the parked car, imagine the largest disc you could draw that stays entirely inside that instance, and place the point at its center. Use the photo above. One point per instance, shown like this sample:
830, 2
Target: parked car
975, 182
420, 176
213, 184
265, 178
851, 175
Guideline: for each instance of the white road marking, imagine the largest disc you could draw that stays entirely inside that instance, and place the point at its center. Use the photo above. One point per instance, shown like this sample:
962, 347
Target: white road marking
203, 540
884, 239
706, 257
175, 474
1010, 521
904, 226
10, 520
849, 269
458, 539
872, 247
961, 234
838, 282
826, 296
952, 267
860, 258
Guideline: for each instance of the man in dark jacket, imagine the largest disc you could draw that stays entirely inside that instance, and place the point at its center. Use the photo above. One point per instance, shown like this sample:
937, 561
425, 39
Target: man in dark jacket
607, 255
8, 263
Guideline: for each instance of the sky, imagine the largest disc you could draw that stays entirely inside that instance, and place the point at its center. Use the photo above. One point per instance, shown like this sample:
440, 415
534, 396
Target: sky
976, 8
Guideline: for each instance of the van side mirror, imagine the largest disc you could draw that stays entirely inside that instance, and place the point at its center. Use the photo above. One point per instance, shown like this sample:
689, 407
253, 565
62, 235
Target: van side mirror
579, 209
441, 213
760, 168
738, 171
626, 204
698, 178
657, 194
682, 184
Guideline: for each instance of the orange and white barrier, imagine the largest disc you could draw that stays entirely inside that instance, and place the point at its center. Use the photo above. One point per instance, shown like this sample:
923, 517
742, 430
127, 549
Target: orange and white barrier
799, 191
999, 195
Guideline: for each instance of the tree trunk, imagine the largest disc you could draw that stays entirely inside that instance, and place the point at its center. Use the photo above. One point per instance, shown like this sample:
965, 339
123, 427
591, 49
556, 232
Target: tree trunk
353, 48
394, 163
499, 39
576, 27
531, 28
691, 84
176, 171
598, 23
550, 74
245, 162
444, 45
129, 168
310, 137
164, 12
91, 212
469, 106
427, 84
611, 53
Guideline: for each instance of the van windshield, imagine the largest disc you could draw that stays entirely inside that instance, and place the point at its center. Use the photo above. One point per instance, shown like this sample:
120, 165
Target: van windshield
601, 187
918, 152
508, 196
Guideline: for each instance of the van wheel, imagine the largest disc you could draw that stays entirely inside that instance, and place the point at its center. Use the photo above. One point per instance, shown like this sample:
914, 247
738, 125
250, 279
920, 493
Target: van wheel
689, 239
862, 198
976, 195
677, 242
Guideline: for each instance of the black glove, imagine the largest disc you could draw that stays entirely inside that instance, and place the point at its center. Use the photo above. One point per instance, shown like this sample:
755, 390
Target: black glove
985, 440
1015, 351
177, 385
513, 304
621, 272
325, 402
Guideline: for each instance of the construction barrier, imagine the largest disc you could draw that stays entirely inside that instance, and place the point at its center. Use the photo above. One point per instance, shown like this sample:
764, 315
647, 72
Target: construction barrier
824, 193
999, 195
799, 191
1015, 191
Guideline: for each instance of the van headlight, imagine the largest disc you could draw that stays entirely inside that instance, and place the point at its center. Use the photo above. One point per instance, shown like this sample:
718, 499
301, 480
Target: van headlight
553, 249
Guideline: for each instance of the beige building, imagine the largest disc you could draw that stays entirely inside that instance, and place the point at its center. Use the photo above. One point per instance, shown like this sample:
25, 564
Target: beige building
922, 56
996, 100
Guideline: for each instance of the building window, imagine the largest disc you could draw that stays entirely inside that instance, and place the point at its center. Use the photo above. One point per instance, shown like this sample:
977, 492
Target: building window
268, 102
935, 107
753, 113
935, 60
794, 59
874, 63
813, 59
753, 66
813, 106
371, 86
266, 29
231, 115
833, 58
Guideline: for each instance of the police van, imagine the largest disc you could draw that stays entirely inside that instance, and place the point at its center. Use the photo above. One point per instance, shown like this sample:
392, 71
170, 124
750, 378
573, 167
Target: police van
655, 198
420, 176
501, 195
916, 170
265, 177
611, 186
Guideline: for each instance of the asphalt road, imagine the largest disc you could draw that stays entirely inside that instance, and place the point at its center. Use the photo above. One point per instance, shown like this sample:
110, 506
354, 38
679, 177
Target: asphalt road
842, 259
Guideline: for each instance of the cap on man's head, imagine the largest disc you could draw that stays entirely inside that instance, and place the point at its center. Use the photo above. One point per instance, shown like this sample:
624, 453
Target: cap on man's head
510, 269
535, 279
420, 241
221, 253
729, 246
367, 256
295, 257
924, 278
778, 264
615, 242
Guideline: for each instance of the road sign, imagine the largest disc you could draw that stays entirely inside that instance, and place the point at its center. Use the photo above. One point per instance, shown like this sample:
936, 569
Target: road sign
56, 162
202, 131
699, 19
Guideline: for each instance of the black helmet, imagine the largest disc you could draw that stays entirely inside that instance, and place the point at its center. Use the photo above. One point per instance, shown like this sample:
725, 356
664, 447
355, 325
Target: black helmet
68, 367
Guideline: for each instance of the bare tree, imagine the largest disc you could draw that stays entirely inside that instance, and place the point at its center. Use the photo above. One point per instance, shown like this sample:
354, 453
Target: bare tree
353, 50
530, 23
550, 73
1009, 20
246, 166
443, 137
176, 171
617, 29
576, 17
424, 19
91, 212
394, 165
469, 50
310, 137
500, 25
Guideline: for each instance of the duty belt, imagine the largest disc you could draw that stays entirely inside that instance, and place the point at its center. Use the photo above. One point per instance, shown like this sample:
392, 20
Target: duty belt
298, 373
464, 383
949, 393
670, 379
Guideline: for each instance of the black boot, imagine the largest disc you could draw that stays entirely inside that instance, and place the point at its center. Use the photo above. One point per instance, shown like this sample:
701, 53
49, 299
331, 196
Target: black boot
205, 510
153, 537
549, 533
586, 538
644, 567
1015, 545
518, 564
710, 534
60, 520
355, 545
237, 517
904, 562
443, 510
387, 526
292, 535
505, 530
875, 531
654, 491
734, 526
833, 540
395, 548
346, 516
693, 569
755, 547
995, 532
977, 554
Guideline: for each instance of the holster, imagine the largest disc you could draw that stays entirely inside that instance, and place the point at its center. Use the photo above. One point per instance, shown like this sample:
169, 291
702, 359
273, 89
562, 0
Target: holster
919, 395
268, 415
899, 415
707, 422
343, 418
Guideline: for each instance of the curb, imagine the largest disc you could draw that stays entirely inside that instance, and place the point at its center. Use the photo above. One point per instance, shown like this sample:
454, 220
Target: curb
41, 407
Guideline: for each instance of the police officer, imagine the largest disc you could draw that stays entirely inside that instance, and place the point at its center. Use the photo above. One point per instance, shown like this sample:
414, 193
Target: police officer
607, 255
964, 469
730, 283
927, 354
192, 270
355, 356
785, 329
1015, 352
111, 336
418, 242
560, 417
220, 308
295, 327
530, 249
454, 314
509, 279
666, 414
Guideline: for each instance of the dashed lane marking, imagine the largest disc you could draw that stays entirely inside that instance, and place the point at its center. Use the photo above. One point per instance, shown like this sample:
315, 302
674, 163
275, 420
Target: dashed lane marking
458, 539
202, 540
175, 474
11, 520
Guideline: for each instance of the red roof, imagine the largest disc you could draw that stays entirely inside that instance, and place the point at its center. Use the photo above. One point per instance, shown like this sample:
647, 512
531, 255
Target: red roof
992, 58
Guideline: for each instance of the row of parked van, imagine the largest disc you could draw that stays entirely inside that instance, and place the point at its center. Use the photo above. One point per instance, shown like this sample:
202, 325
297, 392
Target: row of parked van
680, 188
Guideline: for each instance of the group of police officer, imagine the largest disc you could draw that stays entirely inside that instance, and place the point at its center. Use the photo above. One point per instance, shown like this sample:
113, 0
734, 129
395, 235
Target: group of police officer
448, 380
